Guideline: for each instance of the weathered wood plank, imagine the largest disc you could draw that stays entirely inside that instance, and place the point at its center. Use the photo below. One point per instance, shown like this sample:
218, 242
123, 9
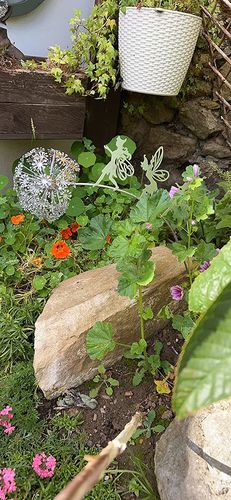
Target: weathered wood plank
50, 121
33, 88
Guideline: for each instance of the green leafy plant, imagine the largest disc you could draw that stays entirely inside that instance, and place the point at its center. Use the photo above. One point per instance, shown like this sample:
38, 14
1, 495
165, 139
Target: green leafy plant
149, 426
191, 6
103, 379
203, 375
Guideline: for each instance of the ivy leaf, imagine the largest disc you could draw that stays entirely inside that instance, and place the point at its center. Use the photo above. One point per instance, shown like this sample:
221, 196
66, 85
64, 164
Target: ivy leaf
3, 181
87, 159
204, 371
93, 237
208, 285
148, 209
76, 207
99, 340
182, 252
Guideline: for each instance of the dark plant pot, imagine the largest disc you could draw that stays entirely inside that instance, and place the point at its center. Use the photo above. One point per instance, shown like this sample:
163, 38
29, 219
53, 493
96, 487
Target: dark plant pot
102, 116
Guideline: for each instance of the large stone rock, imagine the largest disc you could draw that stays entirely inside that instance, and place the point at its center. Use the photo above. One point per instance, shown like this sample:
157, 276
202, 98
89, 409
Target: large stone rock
200, 120
176, 146
217, 147
61, 360
193, 457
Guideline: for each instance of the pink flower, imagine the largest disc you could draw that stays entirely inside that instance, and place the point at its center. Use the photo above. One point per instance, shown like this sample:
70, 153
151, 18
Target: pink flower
177, 292
148, 226
196, 170
9, 429
204, 266
7, 482
173, 191
44, 466
5, 417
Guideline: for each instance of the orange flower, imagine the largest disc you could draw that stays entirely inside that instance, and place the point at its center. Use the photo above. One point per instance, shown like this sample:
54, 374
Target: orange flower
37, 261
60, 250
74, 227
66, 233
108, 239
17, 219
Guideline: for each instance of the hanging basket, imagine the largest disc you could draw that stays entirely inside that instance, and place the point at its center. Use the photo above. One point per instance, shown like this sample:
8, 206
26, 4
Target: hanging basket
155, 49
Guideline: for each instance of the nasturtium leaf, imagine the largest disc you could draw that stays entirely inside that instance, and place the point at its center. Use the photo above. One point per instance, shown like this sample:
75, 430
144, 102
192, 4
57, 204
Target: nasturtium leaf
3, 181
129, 144
4, 211
93, 237
39, 282
209, 284
76, 149
10, 238
10, 270
96, 172
76, 207
99, 340
204, 370
87, 159
149, 209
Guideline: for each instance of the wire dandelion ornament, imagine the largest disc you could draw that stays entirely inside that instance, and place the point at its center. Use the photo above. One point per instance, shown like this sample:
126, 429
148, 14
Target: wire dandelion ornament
43, 179
3, 8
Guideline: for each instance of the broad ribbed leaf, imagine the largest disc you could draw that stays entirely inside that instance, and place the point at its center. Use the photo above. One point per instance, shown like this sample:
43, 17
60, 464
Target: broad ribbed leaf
204, 370
99, 340
149, 209
209, 284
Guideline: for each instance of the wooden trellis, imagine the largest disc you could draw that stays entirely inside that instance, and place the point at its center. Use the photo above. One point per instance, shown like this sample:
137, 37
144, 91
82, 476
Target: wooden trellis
218, 22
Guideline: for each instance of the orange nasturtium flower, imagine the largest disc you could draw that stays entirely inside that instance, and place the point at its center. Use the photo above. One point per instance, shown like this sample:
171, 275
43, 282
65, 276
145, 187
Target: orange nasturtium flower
60, 250
66, 233
17, 219
108, 238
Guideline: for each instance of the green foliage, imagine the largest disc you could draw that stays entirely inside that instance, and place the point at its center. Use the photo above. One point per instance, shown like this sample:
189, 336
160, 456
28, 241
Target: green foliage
99, 340
59, 436
191, 6
148, 427
204, 370
94, 48
103, 380
208, 285
94, 236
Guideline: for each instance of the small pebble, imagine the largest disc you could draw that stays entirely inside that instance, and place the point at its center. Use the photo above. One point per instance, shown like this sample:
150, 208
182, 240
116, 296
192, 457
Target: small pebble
129, 394
95, 417
167, 415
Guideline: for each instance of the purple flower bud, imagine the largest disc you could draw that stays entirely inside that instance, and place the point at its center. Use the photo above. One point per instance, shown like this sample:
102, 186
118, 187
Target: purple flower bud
177, 292
148, 226
196, 170
173, 191
204, 266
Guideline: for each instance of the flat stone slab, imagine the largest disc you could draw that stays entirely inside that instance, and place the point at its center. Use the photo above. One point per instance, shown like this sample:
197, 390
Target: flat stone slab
60, 359
193, 456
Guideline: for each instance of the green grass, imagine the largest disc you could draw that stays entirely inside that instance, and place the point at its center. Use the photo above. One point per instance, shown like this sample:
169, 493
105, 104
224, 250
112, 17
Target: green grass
59, 436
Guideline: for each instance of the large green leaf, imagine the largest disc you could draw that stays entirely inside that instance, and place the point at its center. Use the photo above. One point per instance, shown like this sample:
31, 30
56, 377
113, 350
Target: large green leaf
99, 340
149, 209
112, 145
209, 284
76, 207
204, 371
87, 159
93, 237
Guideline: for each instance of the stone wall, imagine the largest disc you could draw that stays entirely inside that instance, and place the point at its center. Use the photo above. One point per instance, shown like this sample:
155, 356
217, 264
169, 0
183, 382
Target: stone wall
188, 126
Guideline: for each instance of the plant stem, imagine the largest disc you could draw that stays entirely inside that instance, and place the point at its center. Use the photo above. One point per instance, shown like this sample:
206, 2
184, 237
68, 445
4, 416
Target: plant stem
141, 310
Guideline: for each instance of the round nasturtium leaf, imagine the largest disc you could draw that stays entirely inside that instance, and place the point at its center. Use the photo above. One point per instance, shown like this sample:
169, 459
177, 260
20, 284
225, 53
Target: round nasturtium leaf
76, 207
129, 144
87, 159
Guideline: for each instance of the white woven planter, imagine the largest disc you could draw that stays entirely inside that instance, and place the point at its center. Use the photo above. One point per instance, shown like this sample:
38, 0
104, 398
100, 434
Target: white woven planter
155, 49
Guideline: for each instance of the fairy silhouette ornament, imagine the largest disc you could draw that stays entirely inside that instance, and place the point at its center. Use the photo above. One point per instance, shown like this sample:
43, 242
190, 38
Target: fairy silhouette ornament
44, 178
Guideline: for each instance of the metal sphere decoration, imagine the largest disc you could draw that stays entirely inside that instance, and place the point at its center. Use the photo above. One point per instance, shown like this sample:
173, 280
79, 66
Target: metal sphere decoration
3, 8
43, 180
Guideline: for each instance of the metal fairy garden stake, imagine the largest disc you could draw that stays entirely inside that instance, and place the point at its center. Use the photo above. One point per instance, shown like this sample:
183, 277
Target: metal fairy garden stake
44, 179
